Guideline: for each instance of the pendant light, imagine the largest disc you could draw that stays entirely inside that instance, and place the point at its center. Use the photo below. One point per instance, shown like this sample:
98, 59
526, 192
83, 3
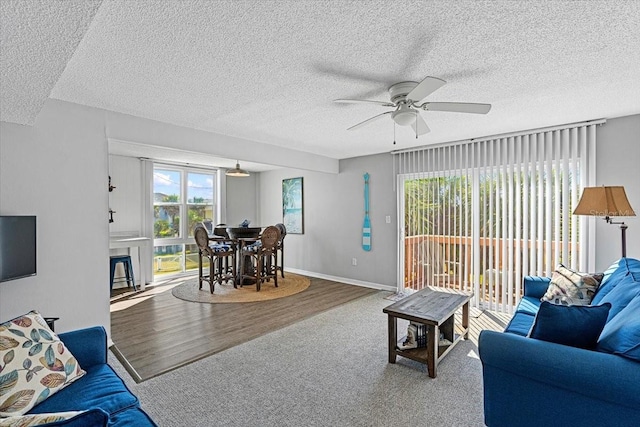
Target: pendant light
237, 171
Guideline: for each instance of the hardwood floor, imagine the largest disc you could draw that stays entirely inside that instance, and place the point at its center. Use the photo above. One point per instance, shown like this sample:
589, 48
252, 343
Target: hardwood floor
156, 332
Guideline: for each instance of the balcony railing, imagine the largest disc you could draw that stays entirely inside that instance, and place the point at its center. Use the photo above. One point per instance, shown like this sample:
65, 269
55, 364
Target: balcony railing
447, 261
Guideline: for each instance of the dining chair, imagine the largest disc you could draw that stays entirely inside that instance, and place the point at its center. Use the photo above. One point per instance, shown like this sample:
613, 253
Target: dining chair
217, 255
279, 259
260, 254
220, 235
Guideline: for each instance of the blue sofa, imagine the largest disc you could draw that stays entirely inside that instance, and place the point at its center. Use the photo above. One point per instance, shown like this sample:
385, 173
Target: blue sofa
100, 392
530, 382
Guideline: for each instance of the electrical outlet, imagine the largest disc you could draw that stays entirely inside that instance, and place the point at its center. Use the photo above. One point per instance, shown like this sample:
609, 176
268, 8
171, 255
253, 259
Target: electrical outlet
354, 261
388, 219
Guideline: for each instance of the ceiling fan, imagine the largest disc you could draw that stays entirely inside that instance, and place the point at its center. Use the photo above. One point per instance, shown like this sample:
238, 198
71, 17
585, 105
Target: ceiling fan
406, 98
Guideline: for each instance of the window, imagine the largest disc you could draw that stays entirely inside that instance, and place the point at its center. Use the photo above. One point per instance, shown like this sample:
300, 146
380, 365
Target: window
200, 200
182, 198
167, 203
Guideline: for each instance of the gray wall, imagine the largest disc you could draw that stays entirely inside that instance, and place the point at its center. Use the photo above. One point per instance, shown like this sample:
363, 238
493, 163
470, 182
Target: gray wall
333, 216
618, 163
241, 201
57, 170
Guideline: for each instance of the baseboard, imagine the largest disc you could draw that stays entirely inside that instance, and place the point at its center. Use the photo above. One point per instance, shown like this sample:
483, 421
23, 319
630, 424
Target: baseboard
342, 280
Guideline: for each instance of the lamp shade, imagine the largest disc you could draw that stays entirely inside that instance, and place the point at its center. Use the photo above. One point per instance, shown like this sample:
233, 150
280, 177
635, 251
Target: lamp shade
237, 171
604, 201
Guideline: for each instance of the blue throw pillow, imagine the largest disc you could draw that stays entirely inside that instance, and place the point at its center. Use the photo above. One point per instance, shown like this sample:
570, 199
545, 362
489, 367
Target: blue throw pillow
573, 325
621, 295
622, 334
614, 275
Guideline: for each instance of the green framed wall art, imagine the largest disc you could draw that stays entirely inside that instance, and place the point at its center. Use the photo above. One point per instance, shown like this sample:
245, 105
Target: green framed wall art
293, 205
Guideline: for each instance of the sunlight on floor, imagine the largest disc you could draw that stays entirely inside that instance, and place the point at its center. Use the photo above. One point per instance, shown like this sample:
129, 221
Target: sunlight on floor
129, 299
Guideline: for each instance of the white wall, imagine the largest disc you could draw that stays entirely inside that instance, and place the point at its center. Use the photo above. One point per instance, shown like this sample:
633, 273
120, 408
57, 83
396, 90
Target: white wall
125, 199
57, 170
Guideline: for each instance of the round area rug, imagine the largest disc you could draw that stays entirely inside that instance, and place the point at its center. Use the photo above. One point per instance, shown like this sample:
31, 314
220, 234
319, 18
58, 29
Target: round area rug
290, 285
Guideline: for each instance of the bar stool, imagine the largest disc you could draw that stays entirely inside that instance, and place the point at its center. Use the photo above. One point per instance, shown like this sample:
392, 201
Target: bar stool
128, 269
218, 255
261, 254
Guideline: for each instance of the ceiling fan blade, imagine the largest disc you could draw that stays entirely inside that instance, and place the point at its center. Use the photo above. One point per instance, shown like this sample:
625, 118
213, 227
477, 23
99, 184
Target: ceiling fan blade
369, 120
457, 107
425, 88
363, 101
420, 126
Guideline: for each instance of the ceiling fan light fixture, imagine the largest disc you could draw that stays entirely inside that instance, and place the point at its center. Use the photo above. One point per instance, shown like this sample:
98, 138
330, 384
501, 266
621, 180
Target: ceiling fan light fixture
404, 116
237, 171
406, 97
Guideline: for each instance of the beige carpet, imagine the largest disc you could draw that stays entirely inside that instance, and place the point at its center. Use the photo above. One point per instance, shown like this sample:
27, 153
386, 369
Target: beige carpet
226, 293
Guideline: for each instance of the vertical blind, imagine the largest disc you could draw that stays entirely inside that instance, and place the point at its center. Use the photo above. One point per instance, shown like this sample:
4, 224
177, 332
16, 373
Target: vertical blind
480, 215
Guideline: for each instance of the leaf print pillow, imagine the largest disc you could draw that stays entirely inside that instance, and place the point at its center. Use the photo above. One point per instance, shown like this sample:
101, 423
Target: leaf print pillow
34, 364
568, 287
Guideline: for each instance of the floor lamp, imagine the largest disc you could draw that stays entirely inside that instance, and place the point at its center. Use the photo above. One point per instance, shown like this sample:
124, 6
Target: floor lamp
606, 202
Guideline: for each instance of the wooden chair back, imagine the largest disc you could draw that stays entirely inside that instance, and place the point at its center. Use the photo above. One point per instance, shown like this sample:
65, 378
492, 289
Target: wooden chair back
279, 258
282, 229
270, 237
201, 237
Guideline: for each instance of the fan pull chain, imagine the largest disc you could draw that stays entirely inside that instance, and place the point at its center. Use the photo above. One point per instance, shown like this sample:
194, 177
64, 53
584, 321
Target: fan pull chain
394, 133
416, 124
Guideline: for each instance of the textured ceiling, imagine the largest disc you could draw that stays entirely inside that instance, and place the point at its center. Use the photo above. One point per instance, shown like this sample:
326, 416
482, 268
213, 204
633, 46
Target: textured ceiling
38, 39
268, 71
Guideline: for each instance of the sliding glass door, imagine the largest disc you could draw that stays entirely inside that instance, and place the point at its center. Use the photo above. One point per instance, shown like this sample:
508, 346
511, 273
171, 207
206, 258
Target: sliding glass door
481, 215
437, 230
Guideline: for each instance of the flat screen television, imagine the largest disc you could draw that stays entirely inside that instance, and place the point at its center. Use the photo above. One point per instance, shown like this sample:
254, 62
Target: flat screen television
17, 247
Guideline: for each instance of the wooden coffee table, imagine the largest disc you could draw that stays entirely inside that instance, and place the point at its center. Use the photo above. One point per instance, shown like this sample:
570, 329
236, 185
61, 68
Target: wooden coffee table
435, 310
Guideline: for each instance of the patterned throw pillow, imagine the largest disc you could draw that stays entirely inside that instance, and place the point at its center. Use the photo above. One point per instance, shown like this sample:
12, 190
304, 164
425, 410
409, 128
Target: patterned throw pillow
34, 364
31, 420
569, 287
